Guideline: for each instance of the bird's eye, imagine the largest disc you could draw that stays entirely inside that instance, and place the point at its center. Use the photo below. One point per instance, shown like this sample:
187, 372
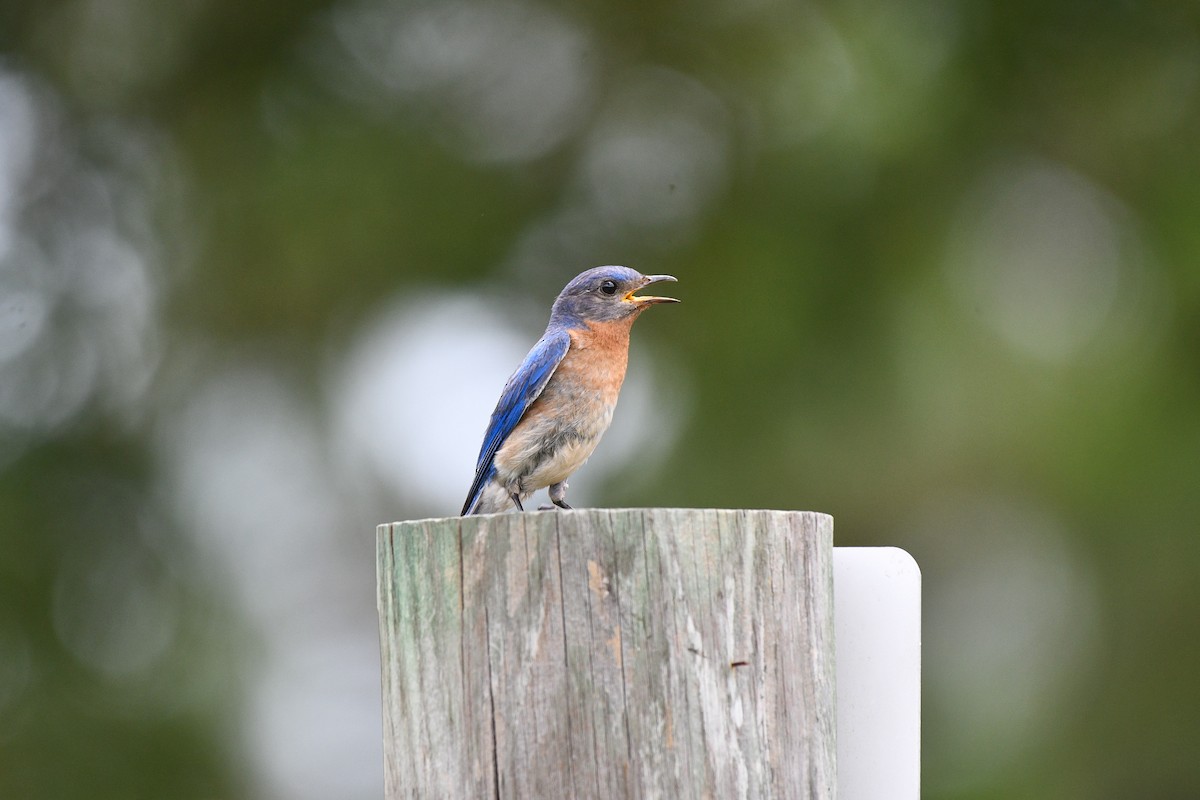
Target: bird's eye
609, 287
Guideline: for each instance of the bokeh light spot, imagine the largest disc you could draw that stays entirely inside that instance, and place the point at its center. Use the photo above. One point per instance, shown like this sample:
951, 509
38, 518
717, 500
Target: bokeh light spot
504, 81
1039, 253
1011, 621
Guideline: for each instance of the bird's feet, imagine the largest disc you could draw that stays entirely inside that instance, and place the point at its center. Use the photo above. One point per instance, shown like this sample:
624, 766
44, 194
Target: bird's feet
558, 494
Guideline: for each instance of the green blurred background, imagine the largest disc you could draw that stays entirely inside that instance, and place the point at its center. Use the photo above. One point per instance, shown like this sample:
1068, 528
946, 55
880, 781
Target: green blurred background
265, 266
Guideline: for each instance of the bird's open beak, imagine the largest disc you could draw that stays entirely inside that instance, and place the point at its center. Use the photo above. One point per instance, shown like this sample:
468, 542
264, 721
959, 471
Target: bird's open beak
648, 300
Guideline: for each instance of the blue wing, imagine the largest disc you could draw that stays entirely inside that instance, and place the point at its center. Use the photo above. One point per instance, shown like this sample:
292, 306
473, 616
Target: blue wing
519, 393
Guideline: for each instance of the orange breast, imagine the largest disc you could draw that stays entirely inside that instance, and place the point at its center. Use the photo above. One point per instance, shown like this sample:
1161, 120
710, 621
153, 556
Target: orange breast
598, 358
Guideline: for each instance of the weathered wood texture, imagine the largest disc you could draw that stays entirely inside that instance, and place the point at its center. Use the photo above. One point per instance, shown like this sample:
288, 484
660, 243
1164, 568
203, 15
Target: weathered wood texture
636, 653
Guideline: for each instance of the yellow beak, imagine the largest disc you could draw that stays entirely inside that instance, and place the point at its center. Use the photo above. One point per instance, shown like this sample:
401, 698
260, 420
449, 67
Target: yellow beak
649, 300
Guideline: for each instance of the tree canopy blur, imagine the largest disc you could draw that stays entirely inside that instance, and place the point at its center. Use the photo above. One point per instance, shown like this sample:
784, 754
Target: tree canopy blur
264, 268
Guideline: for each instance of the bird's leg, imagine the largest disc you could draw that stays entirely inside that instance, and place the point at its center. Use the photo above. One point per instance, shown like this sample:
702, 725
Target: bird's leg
516, 498
558, 494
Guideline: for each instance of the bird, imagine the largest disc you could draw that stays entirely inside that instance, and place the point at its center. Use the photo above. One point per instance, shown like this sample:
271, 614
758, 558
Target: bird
560, 401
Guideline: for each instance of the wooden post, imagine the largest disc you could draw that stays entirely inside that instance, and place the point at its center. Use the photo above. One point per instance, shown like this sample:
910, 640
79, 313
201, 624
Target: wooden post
656, 653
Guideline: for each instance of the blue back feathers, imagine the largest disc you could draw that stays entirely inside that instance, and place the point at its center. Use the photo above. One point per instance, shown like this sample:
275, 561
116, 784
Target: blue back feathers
525, 385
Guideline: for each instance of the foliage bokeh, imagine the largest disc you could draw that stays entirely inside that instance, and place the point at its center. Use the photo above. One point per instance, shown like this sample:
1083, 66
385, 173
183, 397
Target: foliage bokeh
263, 268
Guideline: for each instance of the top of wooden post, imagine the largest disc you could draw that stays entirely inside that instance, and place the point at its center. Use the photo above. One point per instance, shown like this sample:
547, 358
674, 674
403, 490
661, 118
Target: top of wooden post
628, 510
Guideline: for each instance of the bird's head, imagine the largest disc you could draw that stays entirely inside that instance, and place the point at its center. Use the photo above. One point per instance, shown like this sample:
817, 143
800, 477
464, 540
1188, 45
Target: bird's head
606, 294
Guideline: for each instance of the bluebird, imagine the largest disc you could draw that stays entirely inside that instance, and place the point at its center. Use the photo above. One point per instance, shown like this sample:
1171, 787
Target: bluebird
560, 401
